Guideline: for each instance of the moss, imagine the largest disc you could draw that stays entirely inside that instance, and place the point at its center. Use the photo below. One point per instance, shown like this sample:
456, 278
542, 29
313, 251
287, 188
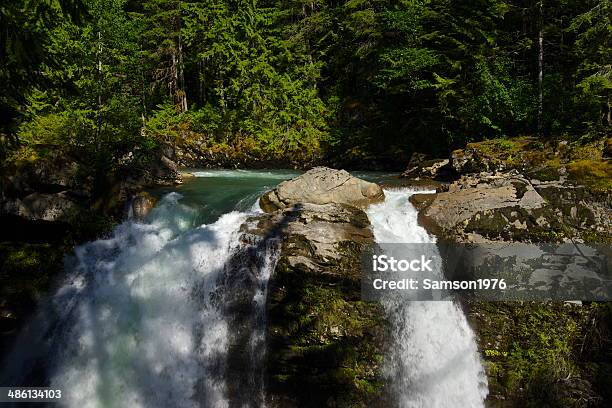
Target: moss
500, 146
503, 154
547, 170
541, 354
589, 151
26, 273
543, 160
324, 342
596, 237
596, 174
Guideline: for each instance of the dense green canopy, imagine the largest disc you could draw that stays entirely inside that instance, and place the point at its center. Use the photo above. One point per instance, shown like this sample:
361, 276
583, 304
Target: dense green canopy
349, 81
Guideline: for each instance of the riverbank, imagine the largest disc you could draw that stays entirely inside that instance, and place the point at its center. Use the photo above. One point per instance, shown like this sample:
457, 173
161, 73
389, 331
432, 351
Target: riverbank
524, 190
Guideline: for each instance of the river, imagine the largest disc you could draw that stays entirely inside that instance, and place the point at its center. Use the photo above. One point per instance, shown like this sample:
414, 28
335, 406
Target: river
136, 321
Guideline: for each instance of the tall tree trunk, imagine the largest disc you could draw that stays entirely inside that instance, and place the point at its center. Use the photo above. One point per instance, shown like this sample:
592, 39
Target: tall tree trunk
99, 80
181, 73
308, 48
540, 69
173, 84
609, 116
200, 84
99, 167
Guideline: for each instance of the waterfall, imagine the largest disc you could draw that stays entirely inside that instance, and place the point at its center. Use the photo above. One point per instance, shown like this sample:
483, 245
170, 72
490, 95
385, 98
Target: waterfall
139, 321
433, 360
147, 318
142, 326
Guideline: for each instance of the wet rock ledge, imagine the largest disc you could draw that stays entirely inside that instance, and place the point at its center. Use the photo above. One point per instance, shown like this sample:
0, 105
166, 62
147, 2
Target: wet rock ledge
324, 344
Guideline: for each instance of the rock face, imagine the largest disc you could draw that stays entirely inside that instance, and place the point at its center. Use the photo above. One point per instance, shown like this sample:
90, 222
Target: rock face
42, 207
54, 187
141, 204
508, 206
525, 191
467, 199
322, 185
324, 345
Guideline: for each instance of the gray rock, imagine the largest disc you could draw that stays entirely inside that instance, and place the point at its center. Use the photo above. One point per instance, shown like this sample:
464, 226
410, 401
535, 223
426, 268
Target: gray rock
471, 160
508, 206
322, 185
313, 299
447, 210
49, 175
323, 227
43, 207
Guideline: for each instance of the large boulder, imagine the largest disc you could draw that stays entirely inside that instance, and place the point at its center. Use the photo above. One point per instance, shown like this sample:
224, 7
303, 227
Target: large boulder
494, 155
322, 185
39, 206
324, 344
509, 206
447, 211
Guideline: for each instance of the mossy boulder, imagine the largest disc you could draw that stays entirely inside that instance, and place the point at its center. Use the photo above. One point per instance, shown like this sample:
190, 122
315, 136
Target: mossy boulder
496, 203
510, 206
324, 344
422, 167
585, 164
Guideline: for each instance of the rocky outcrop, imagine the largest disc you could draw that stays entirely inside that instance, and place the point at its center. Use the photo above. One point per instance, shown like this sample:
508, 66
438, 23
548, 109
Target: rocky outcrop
324, 344
325, 228
528, 191
322, 185
509, 206
141, 204
493, 155
50, 175
163, 171
422, 167
56, 186
41, 207
459, 204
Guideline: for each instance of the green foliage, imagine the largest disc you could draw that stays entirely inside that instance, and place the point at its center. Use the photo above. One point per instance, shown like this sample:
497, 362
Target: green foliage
594, 28
545, 354
353, 82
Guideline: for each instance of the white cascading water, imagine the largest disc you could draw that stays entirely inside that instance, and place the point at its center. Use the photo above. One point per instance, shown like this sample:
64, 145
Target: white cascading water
141, 323
433, 360
143, 327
